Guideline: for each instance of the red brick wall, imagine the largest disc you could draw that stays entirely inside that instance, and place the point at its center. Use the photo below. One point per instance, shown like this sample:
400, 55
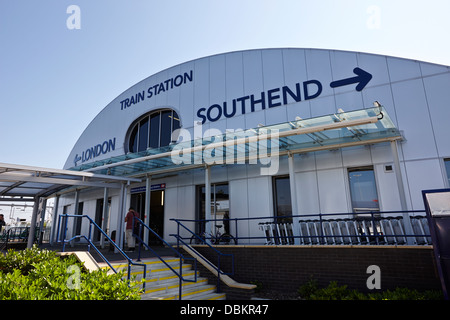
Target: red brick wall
286, 268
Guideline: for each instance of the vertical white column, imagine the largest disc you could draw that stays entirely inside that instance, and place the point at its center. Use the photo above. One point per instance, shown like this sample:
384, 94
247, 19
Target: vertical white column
105, 217
54, 220
120, 217
401, 191
293, 187
208, 200
33, 223
146, 219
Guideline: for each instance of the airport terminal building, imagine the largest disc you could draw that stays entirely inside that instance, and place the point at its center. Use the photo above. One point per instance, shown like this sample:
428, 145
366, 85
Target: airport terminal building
266, 133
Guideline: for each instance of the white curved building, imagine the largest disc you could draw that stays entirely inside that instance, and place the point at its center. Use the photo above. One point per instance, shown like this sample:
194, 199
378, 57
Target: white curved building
380, 165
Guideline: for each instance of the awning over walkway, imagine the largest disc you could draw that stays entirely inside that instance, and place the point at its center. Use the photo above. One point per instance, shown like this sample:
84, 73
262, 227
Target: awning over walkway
26, 183
343, 129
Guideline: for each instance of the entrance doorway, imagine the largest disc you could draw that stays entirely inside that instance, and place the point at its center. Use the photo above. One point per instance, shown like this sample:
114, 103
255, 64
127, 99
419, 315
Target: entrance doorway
156, 222
100, 219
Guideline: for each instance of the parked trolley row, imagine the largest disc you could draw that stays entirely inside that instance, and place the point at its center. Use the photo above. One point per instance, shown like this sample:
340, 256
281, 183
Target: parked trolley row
348, 231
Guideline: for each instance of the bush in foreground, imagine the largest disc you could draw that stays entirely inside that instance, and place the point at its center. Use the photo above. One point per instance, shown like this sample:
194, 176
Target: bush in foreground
310, 291
34, 274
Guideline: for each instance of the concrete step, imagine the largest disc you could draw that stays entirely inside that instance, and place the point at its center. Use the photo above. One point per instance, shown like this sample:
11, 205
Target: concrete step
172, 287
199, 292
163, 284
151, 264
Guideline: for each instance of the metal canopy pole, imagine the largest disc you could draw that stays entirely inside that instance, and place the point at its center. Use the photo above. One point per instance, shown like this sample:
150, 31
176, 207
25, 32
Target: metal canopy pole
401, 191
41, 223
148, 192
208, 202
105, 216
54, 220
295, 222
33, 223
120, 218
75, 212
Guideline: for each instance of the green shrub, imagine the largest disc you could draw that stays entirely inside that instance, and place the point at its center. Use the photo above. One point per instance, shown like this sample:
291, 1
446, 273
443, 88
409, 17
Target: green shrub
308, 289
333, 291
34, 274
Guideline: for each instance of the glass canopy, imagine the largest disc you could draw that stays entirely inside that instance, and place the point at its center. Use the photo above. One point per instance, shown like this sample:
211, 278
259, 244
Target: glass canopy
256, 145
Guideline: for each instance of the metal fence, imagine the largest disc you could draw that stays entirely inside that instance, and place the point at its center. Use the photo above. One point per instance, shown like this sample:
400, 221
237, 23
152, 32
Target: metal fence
362, 228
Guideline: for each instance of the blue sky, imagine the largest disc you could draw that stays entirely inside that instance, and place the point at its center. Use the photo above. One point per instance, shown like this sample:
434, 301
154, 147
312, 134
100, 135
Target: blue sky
54, 80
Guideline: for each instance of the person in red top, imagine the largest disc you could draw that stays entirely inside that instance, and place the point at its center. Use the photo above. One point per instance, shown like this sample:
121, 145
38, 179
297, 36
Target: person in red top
129, 228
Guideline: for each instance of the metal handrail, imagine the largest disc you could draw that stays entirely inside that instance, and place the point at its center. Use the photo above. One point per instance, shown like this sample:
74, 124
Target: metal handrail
177, 252
91, 243
219, 254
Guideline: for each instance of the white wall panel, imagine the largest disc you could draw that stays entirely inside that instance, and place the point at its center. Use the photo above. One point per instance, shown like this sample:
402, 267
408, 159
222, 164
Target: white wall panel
305, 162
217, 79
253, 73
186, 104
307, 192
382, 94
259, 194
332, 191
273, 73
318, 68
170, 210
294, 67
342, 65
430, 69
321, 106
422, 175
376, 65
414, 119
239, 205
356, 156
349, 101
403, 69
201, 87
388, 195
438, 97
328, 159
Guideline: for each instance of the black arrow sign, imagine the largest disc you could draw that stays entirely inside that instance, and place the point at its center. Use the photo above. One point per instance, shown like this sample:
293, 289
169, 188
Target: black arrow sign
362, 78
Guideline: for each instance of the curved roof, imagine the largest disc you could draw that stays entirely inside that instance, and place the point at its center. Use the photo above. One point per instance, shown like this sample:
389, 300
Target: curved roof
198, 90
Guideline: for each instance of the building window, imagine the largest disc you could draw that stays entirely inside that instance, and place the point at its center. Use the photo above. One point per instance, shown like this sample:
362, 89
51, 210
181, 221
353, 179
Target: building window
282, 197
363, 189
153, 130
447, 170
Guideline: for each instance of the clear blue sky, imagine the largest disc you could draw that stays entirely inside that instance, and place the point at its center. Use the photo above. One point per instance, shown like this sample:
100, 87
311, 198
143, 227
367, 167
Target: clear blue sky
54, 80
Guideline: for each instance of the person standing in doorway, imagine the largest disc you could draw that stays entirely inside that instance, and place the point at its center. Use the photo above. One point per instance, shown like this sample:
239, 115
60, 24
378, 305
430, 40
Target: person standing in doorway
2, 222
129, 228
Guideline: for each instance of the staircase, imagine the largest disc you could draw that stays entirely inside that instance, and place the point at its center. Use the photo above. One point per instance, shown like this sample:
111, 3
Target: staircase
163, 284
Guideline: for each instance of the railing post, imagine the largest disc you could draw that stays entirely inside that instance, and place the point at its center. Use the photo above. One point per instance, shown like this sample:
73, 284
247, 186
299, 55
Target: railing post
140, 240
89, 236
64, 234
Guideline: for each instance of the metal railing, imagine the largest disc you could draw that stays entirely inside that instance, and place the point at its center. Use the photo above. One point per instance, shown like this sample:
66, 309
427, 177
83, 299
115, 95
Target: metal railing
205, 241
141, 226
15, 235
91, 243
362, 228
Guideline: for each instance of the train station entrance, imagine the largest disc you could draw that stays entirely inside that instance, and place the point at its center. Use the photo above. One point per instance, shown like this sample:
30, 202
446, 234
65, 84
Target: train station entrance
156, 216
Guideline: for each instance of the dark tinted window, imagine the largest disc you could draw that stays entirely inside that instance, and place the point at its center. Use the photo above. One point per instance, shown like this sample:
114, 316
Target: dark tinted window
153, 130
